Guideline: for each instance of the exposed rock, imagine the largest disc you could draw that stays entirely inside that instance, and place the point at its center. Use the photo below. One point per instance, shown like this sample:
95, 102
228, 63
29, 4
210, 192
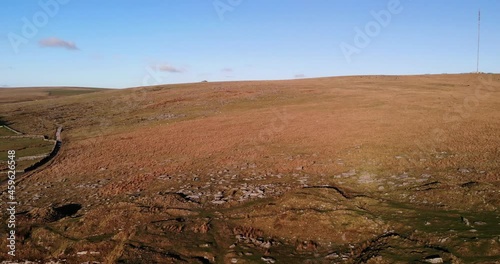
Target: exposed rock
433, 259
332, 256
205, 245
348, 174
465, 221
463, 170
268, 259
266, 245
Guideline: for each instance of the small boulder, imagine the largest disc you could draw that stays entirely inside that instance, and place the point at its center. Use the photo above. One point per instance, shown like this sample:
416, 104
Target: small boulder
434, 259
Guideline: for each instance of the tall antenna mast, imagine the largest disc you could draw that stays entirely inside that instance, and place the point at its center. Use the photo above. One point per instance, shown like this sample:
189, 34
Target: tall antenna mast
478, 38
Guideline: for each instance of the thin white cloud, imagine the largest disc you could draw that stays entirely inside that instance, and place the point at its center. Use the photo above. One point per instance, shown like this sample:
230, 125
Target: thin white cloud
168, 68
299, 75
227, 70
57, 43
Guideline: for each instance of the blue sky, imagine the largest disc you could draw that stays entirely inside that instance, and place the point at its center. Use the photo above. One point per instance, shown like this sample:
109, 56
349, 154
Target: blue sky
125, 43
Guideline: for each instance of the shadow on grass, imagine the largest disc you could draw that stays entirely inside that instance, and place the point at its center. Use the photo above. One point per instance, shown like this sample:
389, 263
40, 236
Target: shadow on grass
68, 209
3, 123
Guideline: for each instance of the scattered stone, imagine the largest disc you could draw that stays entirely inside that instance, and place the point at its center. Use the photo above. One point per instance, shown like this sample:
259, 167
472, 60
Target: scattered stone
266, 245
348, 174
463, 170
434, 259
332, 256
193, 197
443, 240
206, 245
164, 177
366, 178
465, 221
268, 259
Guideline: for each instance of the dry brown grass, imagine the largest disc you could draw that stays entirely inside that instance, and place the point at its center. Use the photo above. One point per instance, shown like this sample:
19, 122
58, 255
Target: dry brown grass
14, 95
407, 143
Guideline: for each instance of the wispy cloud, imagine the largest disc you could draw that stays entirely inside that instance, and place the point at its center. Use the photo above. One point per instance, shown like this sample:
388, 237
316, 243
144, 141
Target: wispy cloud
167, 68
299, 75
227, 70
57, 43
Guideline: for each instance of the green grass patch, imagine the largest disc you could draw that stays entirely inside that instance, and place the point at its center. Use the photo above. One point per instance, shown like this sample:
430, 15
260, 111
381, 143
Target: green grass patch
69, 92
24, 147
100, 238
6, 132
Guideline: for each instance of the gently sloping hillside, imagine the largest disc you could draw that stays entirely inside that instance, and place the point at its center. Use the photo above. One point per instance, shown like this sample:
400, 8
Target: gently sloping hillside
378, 169
14, 95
